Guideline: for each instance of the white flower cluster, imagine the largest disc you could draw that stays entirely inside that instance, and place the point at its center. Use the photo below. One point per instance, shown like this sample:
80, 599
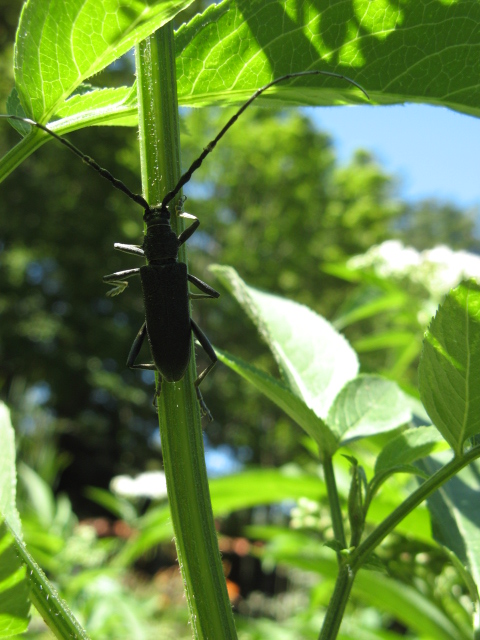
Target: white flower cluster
151, 484
438, 270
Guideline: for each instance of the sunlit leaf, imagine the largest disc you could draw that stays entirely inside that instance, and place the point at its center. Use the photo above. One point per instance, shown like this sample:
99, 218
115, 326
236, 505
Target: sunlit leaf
450, 366
314, 359
60, 44
366, 406
14, 589
398, 52
8, 476
281, 395
407, 447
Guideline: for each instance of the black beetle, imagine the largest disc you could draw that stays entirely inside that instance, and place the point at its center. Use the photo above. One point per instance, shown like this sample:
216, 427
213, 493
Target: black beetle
168, 324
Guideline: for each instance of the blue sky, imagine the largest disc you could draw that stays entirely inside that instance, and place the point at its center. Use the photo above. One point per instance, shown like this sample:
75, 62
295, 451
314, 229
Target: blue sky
433, 151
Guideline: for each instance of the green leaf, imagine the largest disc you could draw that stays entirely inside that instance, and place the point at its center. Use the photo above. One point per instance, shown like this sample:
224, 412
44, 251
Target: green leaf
314, 359
108, 106
8, 476
399, 454
384, 340
381, 302
46, 600
87, 106
409, 446
281, 395
367, 406
450, 366
40, 495
454, 513
263, 486
14, 589
233, 48
397, 52
120, 507
466, 575
416, 610
60, 44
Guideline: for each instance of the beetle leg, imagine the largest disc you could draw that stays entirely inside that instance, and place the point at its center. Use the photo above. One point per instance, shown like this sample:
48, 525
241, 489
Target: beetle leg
189, 231
208, 291
132, 356
134, 249
120, 285
205, 343
135, 350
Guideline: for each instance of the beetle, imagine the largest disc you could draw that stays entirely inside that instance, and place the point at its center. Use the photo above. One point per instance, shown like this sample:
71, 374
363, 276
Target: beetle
168, 324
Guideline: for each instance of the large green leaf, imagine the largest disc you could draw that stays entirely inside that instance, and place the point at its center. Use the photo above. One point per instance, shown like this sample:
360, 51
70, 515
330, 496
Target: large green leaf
366, 406
317, 365
413, 51
397, 53
244, 45
449, 370
60, 44
14, 602
314, 359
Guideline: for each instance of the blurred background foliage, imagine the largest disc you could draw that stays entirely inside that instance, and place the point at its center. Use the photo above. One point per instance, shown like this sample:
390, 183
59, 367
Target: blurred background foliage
274, 203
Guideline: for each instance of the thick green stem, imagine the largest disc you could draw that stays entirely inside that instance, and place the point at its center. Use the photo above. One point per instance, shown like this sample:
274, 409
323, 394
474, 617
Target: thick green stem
179, 415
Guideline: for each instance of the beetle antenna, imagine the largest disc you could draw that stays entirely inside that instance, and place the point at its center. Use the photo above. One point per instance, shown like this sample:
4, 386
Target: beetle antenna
118, 184
211, 145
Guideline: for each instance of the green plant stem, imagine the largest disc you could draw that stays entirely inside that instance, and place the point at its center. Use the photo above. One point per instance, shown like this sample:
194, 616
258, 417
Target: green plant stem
338, 603
357, 558
179, 415
55, 612
334, 502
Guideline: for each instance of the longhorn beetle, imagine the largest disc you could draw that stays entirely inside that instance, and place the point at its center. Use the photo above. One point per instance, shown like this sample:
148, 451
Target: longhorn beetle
168, 325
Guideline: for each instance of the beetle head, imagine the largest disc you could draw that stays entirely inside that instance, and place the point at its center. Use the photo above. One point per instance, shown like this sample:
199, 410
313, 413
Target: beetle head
157, 215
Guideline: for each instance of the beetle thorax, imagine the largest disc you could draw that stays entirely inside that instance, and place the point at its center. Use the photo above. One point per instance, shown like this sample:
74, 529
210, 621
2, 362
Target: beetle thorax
160, 243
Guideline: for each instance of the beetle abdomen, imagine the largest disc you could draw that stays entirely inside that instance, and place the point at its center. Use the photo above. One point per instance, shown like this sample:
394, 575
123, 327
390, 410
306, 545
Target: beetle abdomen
167, 314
